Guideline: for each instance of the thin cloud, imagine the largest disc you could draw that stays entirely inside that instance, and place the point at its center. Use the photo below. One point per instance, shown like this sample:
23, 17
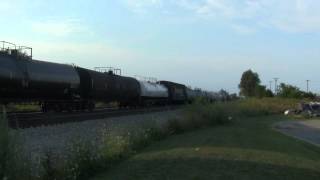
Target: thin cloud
60, 28
141, 6
285, 15
243, 29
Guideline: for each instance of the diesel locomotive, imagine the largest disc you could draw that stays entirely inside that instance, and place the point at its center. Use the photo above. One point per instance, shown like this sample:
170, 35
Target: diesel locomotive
62, 87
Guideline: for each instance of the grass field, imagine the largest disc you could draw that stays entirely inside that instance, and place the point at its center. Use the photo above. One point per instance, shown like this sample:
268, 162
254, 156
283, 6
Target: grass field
245, 149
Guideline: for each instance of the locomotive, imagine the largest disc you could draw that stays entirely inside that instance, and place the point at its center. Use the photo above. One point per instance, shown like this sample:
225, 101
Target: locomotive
62, 87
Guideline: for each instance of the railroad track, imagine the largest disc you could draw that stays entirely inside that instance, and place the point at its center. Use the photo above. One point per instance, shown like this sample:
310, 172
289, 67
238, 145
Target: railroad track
36, 119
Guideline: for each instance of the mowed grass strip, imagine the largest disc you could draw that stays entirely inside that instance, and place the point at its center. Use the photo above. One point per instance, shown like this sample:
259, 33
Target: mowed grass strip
246, 149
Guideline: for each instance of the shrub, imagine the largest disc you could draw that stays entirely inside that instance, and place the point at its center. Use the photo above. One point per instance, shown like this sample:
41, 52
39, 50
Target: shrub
174, 126
4, 146
12, 163
50, 172
143, 137
264, 106
200, 115
116, 147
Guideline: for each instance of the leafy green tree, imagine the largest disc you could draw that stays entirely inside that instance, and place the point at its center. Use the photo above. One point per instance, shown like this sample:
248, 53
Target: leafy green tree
309, 95
250, 84
289, 91
269, 93
262, 91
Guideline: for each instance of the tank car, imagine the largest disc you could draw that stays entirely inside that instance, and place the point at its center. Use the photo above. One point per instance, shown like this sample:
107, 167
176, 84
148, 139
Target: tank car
108, 87
191, 94
24, 79
177, 92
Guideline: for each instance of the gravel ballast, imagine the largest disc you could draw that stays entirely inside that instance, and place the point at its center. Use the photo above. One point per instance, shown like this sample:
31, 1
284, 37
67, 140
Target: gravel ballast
36, 142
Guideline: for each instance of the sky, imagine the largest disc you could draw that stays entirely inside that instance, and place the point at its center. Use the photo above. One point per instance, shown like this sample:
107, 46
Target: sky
201, 43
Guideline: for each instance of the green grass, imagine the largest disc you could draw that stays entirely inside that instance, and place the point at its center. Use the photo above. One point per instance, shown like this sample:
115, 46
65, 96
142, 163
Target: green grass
246, 149
22, 107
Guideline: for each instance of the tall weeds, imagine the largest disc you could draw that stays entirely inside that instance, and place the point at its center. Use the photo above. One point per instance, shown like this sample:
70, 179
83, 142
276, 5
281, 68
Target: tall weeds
12, 164
4, 146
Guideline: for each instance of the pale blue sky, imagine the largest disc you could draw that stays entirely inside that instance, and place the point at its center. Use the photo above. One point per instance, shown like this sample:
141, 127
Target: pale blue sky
202, 43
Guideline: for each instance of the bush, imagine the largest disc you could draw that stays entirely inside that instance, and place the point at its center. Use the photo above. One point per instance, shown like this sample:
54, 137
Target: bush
50, 172
116, 147
83, 161
201, 114
198, 115
4, 147
264, 106
12, 163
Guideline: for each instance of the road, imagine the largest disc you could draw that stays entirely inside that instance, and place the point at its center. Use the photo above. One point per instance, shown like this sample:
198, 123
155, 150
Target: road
308, 131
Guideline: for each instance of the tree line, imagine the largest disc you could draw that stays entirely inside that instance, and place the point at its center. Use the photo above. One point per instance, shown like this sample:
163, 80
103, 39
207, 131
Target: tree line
250, 86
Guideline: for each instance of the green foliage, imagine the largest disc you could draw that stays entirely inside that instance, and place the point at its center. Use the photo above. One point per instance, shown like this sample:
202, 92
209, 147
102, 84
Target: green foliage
83, 161
22, 107
309, 95
4, 146
289, 91
198, 115
116, 146
12, 164
203, 114
269, 93
249, 83
50, 172
262, 91
250, 86
264, 106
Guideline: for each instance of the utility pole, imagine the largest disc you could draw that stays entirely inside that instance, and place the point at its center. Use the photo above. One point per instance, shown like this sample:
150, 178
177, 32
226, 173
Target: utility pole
308, 85
275, 85
270, 83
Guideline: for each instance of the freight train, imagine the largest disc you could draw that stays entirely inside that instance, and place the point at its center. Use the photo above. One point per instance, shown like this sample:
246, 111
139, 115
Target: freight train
62, 87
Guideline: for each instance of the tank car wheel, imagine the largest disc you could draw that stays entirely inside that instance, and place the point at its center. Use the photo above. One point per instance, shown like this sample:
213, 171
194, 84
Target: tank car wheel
70, 107
91, 106
58, 108
44, 107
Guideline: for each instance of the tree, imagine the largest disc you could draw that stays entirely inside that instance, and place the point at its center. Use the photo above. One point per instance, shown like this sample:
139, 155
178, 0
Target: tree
289, 91
250, 84
309, 95
269, 93
262, 91
224, 95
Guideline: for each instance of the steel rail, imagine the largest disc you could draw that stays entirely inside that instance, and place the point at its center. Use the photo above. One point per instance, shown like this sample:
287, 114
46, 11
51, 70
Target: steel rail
29, 120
